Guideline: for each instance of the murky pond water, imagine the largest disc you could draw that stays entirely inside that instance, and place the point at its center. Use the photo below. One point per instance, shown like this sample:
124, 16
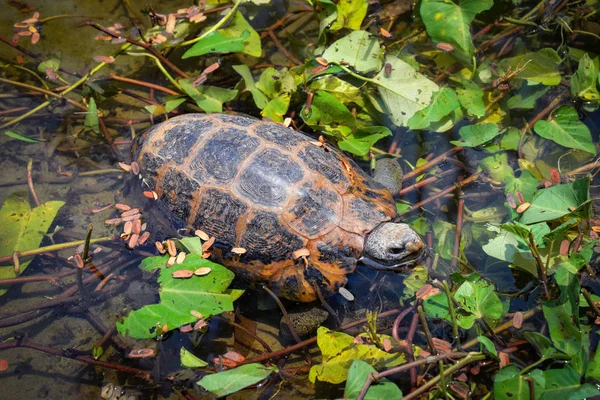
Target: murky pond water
58, 322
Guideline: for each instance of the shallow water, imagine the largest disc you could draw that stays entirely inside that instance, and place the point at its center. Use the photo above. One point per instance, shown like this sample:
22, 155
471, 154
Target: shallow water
76, 326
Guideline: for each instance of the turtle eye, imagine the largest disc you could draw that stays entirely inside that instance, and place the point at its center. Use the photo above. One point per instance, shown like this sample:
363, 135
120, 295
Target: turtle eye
396, 250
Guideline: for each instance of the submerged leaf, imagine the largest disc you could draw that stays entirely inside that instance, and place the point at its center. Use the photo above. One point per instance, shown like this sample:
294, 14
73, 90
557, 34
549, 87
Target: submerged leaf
565, 128
359, 49
233, 380
91, 117
189, 360
216, 43
350, 14
20, 137
23, 229
358, 374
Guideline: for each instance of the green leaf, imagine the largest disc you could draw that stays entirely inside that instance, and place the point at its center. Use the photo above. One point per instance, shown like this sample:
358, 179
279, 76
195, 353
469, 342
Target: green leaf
205, 294
479, 299
192, 244
259, 98
565, 128
235, 379
475, 135
360, 142
565, 383
276, 108
488, 345
471, 98
443, 103
526, 97
23, 229
556, 201
20, 137
236, 29
208, 98
52, 63
91, 117
449, 22
329, 115
339, 351
342, 90
173, 102
540, 66
497, 167
358, 374
509, 384
583, 82
359, 49
216, 43
350, 14
188, 360
404, 91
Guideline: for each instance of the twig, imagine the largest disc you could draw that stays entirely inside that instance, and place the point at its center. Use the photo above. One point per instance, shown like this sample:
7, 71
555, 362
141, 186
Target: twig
146, 46
590, 302
427, 181
66, 354
426, 330
417, 171
410, 353
285, 314
307, 342
404, 367
471, 357
504, 326
145, 84
442, 193
542, 114
109, 333
452, 312
459, 225
325, 304
30, 183
248, 332
107, 137
396, 325
282, 49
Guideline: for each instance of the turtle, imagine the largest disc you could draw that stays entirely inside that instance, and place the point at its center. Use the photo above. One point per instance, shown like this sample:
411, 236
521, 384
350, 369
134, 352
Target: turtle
304, 212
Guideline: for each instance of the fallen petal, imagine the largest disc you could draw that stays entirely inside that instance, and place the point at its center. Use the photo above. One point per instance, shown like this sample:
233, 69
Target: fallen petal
141, 353
183, 273
202, 271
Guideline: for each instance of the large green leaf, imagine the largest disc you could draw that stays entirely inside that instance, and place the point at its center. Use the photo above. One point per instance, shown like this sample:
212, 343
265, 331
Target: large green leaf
232, 380
471, 98
509, 384
475, 135
583, 82
360, 141
339, 351
207, 295
557, 201
23, 229
208, 98
359, 49
217, 43
329, 115
565, 128
443, 103
259, 98
350, 14
565, 383
480, 300
236, 28
358, 374
403, 91
527, 96
342, 90
449, 22
540, 66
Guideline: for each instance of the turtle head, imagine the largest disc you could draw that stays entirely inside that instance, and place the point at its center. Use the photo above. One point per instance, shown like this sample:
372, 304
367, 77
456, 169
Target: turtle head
392, 245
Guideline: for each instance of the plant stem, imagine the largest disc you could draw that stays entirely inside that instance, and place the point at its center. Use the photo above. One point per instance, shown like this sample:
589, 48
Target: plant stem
213, 28
590, 302
452, 311
55, 247
540, 263
503, 327
145, 84
160, 67
46, 92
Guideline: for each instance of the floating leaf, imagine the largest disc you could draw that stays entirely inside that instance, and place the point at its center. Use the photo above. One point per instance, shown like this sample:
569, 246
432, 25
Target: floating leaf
360, 142
526, 97
232, 380
443, 103
480, 300
510, 385
404, 91
339, 351
208, 98
475, 135
216, 43
565, 128
540, 66
23, 229
557, 201
583, 82
188, 360
236, 29
328, 114
357, 375
359, 49
206, 294
471, 98
259, 98
350, 14
20, 137
449, 22
91, 117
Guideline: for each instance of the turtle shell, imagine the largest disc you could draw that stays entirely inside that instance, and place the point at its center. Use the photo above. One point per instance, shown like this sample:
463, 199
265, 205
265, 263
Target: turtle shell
270, 190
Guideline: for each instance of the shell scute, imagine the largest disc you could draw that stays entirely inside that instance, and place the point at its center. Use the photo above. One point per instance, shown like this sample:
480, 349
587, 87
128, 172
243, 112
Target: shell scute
267, 179
325, 163
278, 135
218, 212
179, 137
177, 192
316, 211
267, 240
220, 157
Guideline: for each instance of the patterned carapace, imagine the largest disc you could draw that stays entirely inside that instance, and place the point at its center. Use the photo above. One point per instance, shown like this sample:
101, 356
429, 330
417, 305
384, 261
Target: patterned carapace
270, 190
